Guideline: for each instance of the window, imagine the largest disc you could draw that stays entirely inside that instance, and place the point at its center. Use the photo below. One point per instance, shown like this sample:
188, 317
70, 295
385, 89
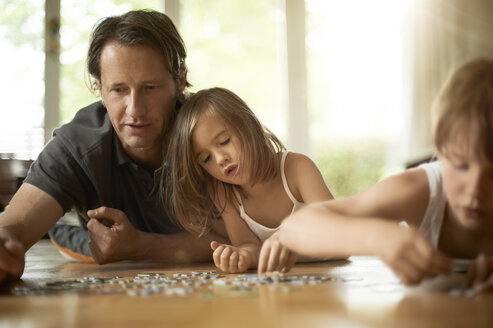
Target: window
354, 90
22, 26
77, 20
22, 85
357, 73
243, 57
353, 51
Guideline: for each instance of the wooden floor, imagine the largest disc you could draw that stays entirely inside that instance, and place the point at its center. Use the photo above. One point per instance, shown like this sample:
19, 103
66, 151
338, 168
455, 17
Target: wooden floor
362, 293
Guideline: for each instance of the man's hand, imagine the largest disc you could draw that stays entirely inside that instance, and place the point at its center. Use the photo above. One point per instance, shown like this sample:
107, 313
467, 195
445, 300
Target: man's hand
11, 258
480, 274
411, 256
114, 243
231, 259
274, 256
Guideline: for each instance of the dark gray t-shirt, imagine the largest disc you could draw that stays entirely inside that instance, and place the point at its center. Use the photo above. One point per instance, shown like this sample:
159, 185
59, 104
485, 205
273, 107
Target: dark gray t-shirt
84, 166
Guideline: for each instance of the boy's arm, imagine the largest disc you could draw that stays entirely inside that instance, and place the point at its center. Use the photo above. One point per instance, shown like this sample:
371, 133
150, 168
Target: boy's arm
400, 197
316, 230
362, 224
274, 256
480, 274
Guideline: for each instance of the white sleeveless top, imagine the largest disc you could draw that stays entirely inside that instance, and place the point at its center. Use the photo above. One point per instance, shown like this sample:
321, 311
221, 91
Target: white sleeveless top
263, 232
432, 221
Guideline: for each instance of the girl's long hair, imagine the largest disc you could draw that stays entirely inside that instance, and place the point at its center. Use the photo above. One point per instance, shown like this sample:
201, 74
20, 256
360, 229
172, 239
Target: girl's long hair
192, 194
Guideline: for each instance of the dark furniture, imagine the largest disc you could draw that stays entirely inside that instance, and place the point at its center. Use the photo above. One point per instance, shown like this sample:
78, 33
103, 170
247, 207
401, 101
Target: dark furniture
12, 173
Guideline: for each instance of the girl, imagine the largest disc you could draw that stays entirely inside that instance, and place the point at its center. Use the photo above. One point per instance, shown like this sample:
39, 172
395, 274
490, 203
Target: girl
447, 204
225, 163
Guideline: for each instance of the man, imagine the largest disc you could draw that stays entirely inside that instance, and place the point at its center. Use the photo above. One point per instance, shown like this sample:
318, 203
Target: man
105, 163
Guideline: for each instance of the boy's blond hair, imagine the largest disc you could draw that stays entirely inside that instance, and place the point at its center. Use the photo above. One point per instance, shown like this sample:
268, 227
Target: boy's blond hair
194, 192
464, 109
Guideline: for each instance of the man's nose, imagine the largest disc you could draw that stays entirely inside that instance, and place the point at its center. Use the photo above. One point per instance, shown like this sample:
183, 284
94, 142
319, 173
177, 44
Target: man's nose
135, 104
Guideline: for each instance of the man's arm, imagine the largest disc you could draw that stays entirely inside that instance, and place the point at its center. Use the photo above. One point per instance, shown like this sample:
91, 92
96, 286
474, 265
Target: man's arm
30, 214
182, 247
121, 241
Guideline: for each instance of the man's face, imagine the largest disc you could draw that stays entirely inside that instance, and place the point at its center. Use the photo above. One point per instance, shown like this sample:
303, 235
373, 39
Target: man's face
139, 94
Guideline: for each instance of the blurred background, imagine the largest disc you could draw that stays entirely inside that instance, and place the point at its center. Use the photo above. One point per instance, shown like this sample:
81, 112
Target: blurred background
347, 82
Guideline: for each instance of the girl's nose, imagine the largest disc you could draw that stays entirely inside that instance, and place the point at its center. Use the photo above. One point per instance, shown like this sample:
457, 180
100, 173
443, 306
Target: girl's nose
475, 181
222, 158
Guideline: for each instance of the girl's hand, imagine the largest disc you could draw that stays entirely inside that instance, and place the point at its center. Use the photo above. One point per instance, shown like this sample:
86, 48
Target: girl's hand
274, 256
411, 256
231, 259
480, 274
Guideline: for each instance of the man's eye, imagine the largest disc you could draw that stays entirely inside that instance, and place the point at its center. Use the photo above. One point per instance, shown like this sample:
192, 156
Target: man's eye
118, 90
150, 87
225, 142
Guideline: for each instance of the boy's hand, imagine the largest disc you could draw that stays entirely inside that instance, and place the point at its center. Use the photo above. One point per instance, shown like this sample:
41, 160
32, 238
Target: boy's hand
231, 259
411, 256
274, 256
480, 274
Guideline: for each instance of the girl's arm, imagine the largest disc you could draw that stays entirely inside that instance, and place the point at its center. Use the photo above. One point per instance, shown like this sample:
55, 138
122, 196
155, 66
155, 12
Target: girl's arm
244, 251
367, 223
306, 184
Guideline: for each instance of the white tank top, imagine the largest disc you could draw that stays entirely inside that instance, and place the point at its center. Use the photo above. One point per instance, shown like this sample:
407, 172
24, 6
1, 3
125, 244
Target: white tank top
263, 232
432, 221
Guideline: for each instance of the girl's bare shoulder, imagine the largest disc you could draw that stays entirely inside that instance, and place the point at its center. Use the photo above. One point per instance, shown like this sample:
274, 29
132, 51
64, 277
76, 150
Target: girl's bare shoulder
296, 162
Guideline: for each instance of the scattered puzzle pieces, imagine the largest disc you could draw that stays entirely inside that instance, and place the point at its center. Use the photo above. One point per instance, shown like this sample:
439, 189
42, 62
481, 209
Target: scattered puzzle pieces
209, 283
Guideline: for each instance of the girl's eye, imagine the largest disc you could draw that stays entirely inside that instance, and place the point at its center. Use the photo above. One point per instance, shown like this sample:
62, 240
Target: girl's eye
207, 158
225, 142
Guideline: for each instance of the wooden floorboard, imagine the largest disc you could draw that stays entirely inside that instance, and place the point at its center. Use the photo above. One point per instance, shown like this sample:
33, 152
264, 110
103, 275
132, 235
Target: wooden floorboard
362, 292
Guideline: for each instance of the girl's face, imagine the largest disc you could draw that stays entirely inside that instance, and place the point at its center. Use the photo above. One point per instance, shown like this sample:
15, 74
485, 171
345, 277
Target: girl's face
218, 150
468, 185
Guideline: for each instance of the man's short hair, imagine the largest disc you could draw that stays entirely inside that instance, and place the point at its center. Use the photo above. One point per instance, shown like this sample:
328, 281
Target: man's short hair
139, 27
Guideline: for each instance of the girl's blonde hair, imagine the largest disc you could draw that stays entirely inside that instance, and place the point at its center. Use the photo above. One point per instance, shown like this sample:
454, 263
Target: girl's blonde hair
194, 192
464, 108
